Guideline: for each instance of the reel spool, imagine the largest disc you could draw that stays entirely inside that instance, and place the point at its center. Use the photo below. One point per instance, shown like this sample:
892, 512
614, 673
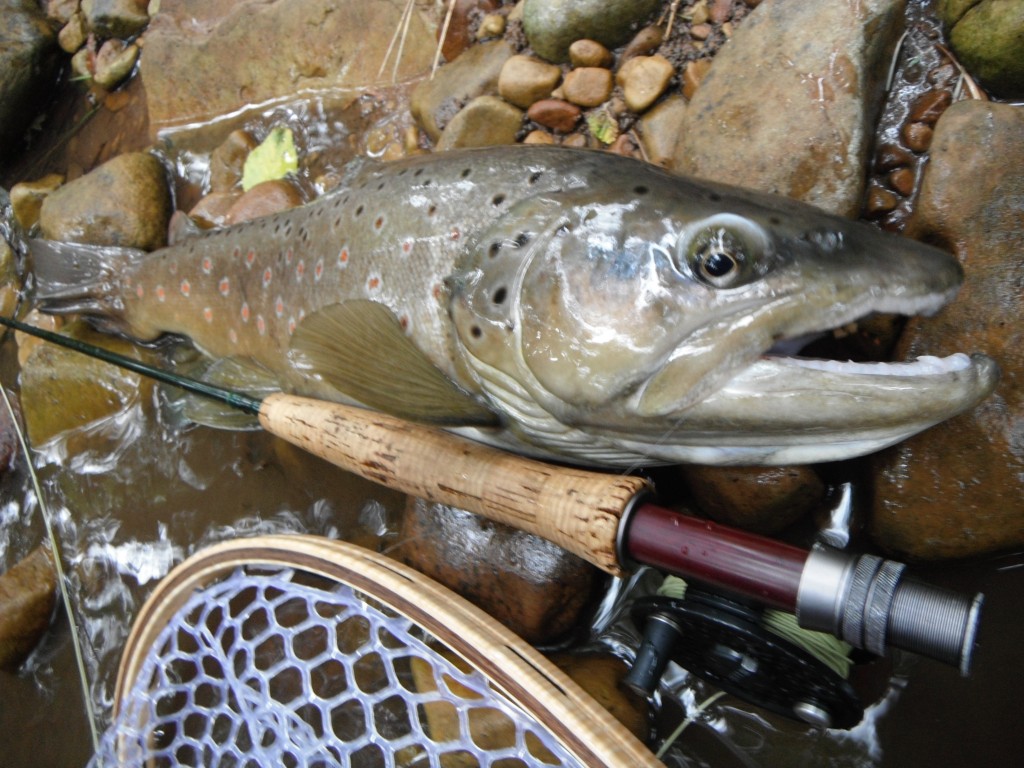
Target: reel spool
727, 643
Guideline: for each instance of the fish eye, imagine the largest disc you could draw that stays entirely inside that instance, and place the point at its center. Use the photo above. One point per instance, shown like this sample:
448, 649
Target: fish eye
721, 255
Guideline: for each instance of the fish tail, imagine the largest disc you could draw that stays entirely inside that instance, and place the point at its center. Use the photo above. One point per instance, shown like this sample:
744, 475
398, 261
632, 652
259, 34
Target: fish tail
83, 279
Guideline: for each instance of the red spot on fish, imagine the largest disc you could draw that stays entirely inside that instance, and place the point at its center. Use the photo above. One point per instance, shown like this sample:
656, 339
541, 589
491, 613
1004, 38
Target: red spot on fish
404, 322
207, 314
224, 286
437, 290
279, 307
140, 291
373, 284
237, 253
161, 294
318, 270
186, 288
267, 277
455, 233
261, 326
291, 325
343, 257
407, 246
245, 312
300, 269
288, 255
207, 265
378, 223
250, 258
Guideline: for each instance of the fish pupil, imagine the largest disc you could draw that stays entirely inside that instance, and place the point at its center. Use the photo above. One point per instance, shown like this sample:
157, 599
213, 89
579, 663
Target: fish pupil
718, 264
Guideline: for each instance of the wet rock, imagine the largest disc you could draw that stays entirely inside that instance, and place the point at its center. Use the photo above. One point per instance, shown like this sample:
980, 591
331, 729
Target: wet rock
590, 53
643, 79
492, 25
929, 106
789, 103
210, 57
892, 156
460, 30
486, 121
532, 586
27, 198
114, 62
125, 201
63, 391
435, 101
538, 137
659, 130
958, 489
645, 42
10, 284
902, 180
552, 26
917, 136
880, 201
759, 499
29, 61
263, 199
28, 594
602, 675
116, 18
524, 80
588, 86
60, 11
212, 210
555, 114
986, 36
693, 75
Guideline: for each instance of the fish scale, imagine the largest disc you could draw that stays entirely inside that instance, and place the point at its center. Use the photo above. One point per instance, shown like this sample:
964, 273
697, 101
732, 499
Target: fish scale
565, 303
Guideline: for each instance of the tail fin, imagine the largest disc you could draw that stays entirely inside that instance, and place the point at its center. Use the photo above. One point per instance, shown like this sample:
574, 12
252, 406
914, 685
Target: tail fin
85, 279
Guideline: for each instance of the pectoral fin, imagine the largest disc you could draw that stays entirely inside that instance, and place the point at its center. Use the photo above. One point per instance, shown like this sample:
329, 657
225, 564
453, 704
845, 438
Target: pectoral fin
359, 348
237, 374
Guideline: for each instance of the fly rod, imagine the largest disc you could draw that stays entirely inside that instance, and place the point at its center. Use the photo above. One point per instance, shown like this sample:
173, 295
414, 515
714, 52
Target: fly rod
609, 520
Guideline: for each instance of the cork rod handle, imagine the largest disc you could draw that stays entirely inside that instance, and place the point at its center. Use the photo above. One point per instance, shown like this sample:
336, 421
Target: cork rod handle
578, 510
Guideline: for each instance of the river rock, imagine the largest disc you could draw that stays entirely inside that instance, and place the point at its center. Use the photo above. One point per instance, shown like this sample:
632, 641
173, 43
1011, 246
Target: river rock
958, 489
227, 161
590, 53
459, 35
532, 586
29, 62
790, 102
126, 202
988, 38
27, 198
265, 198
588, 86
555, 114
114, 62
28, 593
525, 80
552, 26
116, 18
60, 11
73, 34
658, 129
486, 121
643, 80
435, 101
205, 58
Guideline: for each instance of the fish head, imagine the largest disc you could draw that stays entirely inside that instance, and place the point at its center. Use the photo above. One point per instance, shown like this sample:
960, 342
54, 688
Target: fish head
629, 316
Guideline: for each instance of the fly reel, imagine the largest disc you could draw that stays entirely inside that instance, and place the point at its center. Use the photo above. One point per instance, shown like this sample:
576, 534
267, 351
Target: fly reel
730, 645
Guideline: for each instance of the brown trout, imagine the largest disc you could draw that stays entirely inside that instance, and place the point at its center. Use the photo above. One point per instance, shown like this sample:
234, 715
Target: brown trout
564, 303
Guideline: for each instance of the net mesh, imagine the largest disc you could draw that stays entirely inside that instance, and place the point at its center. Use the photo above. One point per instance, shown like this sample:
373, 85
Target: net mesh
282, 668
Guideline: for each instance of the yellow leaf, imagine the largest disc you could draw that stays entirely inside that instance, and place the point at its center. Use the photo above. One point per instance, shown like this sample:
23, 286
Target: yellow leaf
275, 158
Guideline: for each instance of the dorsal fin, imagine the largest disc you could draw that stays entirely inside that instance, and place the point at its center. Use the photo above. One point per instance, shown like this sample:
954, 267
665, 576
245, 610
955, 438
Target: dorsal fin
359, 348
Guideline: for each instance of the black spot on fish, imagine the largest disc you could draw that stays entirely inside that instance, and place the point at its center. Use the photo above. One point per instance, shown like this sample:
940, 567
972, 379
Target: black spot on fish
775, 220
337, 223
714, 197
431, 210
494, 249
381, 186
534, 177
466, 172
500, 295
521, 239
640, 190
419, 172
359, 211
476, 332
403, 172
497, 199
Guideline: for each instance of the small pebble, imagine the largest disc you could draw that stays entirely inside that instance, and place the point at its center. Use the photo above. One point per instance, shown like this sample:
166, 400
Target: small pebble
643, 80
525, 80
228, 160
917, 136
555, 114
492, 25
587, 86
645, 42
27, 198
693, 74
892, 156
624, 146
902, 180
458, 37
929, 106
486, 121
262, 200
699, 13
114, 62
539, 137
589, 53
73, 35
701, 31
720, 11
575, 140
880, 201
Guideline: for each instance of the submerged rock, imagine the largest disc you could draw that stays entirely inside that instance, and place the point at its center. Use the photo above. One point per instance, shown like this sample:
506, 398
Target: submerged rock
29, 61
116, 18
798, 122
28, 593
124, 202
958, 489
552, 26
486, 121
205, 58
530, 585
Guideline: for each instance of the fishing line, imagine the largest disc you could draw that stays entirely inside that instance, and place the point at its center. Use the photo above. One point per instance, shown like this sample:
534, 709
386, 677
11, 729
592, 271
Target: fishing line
61, 577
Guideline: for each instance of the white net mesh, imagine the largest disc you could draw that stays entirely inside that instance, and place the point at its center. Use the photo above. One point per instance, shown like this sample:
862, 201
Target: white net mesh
285, 669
